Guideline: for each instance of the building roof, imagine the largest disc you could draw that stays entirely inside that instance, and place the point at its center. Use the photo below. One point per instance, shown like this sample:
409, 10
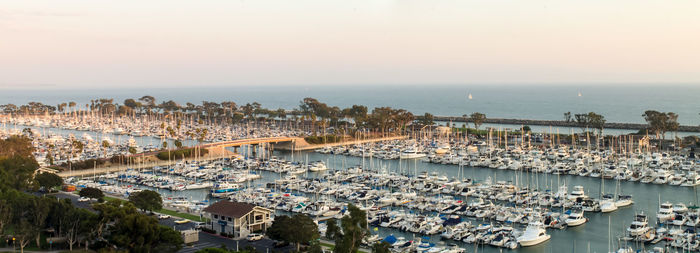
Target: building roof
230, 208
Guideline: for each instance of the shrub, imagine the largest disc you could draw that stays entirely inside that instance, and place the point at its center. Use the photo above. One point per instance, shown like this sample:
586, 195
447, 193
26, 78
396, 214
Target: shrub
180, 153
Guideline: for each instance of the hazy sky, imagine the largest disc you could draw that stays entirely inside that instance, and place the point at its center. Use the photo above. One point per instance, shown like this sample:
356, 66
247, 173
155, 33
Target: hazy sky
123, 43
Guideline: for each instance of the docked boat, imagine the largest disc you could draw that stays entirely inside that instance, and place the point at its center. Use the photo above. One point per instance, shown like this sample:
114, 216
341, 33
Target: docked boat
534, 234
575, 217
224, 189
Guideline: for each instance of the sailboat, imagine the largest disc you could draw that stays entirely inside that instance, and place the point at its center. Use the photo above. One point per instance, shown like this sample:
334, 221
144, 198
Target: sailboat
469, 96
579, 93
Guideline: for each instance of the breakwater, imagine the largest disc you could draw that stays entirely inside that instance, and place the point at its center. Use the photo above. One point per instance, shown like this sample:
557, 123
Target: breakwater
562, 123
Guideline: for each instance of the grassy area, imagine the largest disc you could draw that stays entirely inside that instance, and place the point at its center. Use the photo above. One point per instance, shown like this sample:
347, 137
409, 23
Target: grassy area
172, 213
182, 215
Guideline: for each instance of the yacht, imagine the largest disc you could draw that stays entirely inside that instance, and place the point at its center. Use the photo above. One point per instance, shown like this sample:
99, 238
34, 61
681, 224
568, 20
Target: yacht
534, 234
575, 217
318, 166
412, 153
639, 226
624, 200
577, 193
665, 212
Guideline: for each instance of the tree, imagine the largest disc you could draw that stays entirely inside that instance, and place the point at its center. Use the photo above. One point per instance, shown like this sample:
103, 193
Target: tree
354, 230
567, 117
49, 180
279, 228
332, 228
381, 247
304, 230
16, 145
147, 200
597, 121
660, 122
17, 172
477, 119
90, 192
297, 229
178, 144
427, 119
140, 233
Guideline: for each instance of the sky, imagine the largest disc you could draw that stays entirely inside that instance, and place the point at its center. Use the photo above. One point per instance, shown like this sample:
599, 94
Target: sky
165, 43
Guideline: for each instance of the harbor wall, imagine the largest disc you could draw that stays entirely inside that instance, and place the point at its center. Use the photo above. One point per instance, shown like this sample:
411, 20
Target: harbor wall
561, 123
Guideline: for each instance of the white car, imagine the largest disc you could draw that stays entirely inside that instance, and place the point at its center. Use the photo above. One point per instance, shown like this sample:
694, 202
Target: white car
163, 216
83, 199
254, 237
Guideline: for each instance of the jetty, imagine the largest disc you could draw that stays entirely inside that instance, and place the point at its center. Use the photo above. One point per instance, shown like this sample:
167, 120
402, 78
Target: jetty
560, 123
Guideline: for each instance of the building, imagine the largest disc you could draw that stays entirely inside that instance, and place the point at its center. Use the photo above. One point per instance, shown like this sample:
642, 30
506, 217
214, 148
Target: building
237, 218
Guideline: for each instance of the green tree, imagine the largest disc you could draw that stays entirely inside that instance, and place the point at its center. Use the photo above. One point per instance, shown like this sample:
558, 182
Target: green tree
178, 144
90, 192
332, 228
660, 122
49, 180
381, 247
16, 145
597, 121
477, 119
427, 119
17, 172
140, 233
354, 230
567, 117
297, 229
147, 200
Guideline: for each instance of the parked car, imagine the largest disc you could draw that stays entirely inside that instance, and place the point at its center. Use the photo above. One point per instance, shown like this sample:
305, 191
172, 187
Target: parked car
254, 237
83, 199
163, 216
199, 225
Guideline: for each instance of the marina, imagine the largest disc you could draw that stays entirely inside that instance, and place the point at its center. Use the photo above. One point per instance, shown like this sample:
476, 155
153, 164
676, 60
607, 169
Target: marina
454, 194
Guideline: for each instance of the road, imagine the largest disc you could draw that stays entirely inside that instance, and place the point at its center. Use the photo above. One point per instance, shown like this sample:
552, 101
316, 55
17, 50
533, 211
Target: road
206, 240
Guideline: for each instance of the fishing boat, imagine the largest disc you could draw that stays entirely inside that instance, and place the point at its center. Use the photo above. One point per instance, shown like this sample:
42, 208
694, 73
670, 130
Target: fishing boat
534, 234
